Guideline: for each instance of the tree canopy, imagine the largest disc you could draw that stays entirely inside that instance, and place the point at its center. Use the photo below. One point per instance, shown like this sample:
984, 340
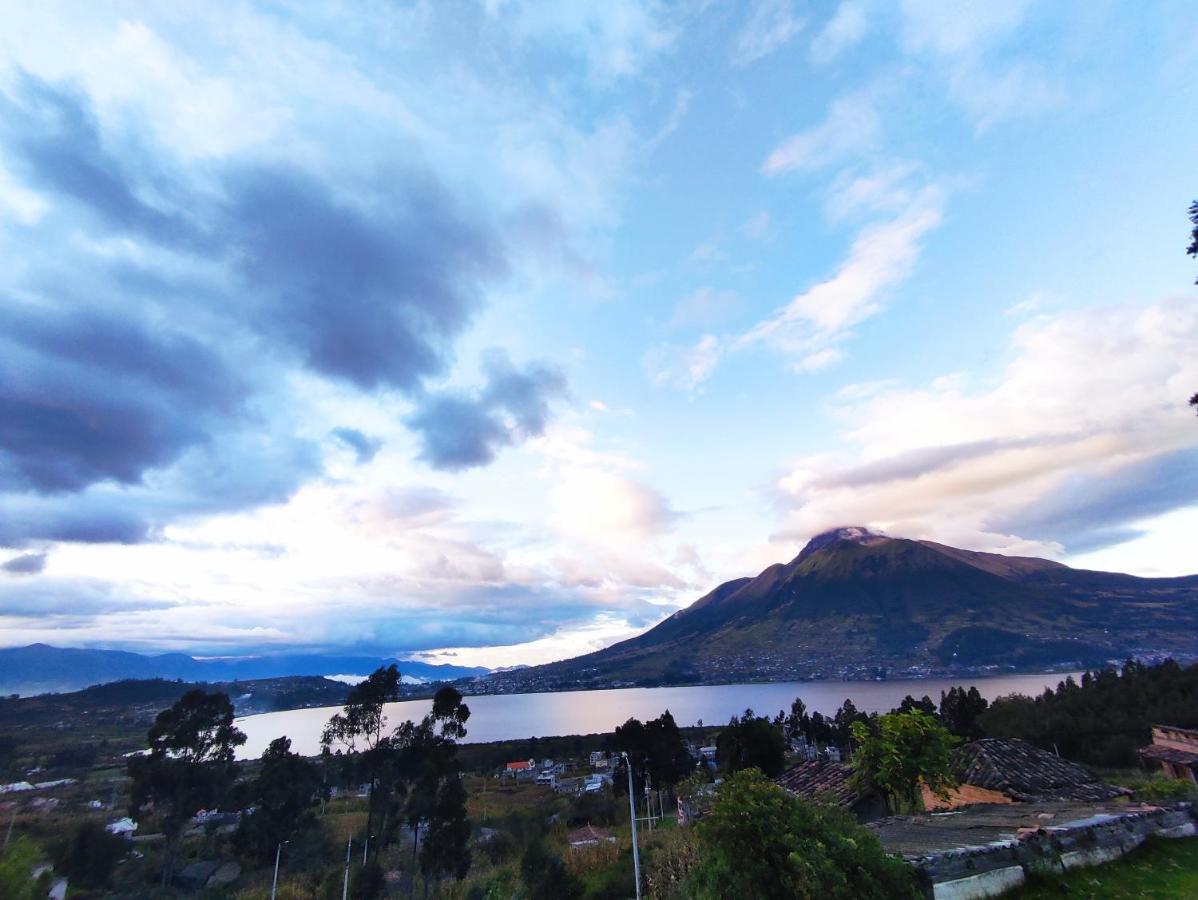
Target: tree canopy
759, 841
899, 752
189, 765
751, 741
283, 794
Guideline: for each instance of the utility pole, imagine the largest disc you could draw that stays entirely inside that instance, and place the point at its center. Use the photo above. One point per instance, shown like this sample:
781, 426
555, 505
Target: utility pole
366, 847
275, 884
345, 886
636, 853
11, 820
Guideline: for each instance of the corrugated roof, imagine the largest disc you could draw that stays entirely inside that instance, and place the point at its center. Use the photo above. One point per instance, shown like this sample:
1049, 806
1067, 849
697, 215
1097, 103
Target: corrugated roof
1025, 772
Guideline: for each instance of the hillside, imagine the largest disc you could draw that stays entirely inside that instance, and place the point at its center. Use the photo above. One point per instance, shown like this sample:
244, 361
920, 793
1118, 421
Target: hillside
854, 604
39, 668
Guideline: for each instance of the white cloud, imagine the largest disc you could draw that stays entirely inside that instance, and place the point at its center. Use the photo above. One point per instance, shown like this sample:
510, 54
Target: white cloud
1048, 457
704, 307
881, 256
844, 30
684, 367
851, 125
770, 25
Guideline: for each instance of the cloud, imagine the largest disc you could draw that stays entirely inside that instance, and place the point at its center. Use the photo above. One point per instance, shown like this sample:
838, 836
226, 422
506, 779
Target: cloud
87, 396
684, 367
883, 255
27, 564
770, 26
365, 447
851, 125
848, 25
608, 508
461, 430
1058, 456
705, 307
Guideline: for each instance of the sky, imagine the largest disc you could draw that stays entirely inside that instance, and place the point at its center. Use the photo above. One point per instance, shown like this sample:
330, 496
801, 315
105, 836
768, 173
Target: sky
492, 332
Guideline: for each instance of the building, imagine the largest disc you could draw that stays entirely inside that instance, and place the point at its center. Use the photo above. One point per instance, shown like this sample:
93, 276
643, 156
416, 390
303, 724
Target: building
1176, 749
1010, 770
589, 836
520, 769
825, 780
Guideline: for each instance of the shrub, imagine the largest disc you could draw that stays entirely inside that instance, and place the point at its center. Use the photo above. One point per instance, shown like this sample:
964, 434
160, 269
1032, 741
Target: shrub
759, 841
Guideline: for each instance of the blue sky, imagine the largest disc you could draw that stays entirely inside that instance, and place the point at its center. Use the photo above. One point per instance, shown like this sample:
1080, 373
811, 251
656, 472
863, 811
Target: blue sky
496, 331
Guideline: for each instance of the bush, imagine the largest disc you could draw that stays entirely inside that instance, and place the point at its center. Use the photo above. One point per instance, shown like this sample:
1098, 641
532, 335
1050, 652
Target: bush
90, 855
759, 841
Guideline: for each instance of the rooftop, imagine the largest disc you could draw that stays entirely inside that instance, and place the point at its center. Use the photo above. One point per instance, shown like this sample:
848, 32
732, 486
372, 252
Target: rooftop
819, 777
1026, 773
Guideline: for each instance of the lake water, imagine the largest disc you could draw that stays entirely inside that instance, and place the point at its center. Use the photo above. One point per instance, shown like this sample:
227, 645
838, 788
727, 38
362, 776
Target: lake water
501, 717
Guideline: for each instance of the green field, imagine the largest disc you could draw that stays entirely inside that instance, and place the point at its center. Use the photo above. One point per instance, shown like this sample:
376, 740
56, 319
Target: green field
1159, 869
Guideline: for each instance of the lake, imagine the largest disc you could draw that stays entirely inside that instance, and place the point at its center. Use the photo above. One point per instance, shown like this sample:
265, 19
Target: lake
501, 717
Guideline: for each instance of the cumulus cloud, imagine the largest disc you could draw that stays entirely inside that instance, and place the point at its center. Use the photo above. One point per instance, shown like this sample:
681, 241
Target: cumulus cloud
1060, 455
460, 430
848, 25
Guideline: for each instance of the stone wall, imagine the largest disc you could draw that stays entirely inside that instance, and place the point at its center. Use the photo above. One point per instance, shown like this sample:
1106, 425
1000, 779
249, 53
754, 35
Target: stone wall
988, 871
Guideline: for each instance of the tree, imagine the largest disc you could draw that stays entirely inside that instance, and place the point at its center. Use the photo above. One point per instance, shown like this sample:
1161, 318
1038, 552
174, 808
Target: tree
898, 754
959, 711
359, 729
1192, 250
655, 749
924, 705
282, 795
751, 741
797, 722
545, 875
189, 765
440, 794
759, 841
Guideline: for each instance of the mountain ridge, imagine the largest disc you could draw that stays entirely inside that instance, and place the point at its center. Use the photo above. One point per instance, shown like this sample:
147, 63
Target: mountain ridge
43, 668
856, 604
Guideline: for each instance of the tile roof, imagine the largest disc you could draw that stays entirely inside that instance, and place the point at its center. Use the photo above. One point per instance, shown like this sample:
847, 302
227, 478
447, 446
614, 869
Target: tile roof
1169, 754
1025, 772
818, 777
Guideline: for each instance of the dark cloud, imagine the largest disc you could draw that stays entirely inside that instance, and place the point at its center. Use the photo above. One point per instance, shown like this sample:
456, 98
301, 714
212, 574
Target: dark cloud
370, 294
55, 141
71, 602
461, 430
1089, 512
87, 396
926, 460
164, 362
28, 564
364, 446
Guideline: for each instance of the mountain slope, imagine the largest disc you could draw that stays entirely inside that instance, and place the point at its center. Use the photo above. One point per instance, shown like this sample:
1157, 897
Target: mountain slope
40, 668
853, 602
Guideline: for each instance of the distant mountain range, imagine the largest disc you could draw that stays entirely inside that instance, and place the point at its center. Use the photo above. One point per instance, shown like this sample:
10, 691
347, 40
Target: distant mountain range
40, 668
855, 604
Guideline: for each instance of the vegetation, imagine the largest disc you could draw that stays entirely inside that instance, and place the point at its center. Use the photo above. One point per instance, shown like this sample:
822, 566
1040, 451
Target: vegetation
1160, 868
751, 741
760, 841
656, 751
16, 872
900, 752
1102, 719
90, 855
189, 766
282, 796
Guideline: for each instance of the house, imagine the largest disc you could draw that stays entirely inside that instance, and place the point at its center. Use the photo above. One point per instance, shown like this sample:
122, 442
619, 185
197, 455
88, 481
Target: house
596, 781
827, 780
570, 786
1010, 770
1176, 749
546, 777
598, 759
521, 768
121, 826
589, 836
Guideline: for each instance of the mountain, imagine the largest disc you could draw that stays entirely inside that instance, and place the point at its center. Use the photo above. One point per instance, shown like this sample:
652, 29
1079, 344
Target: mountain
40, 668
856, 604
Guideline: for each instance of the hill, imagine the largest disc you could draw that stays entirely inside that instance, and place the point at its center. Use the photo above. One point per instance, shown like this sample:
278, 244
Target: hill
40, 668
855, 604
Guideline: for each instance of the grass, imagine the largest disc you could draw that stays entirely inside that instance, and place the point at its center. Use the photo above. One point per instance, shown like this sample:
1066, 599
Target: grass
1159, 869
